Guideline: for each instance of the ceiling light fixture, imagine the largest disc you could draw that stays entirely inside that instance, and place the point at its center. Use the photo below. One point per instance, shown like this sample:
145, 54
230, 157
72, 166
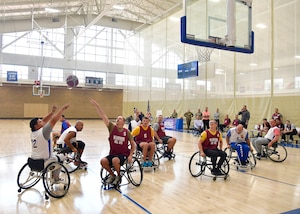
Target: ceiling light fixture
261, 26
118, 7
51, 10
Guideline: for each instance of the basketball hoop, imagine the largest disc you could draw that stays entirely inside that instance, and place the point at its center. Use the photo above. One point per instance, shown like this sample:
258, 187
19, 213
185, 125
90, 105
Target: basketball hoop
203, 53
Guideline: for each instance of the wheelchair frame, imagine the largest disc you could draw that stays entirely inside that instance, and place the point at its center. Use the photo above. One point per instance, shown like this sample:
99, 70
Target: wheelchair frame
203, 166
70, 159
156, 161
30, 174
133, 172
160, 150
276, 153
234, 160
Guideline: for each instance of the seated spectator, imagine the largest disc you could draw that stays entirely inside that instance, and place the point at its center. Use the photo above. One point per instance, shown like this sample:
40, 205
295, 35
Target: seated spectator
264, 128
226, 123
279, 124
134, 123
236, 121
290, 130
161, 136
198, 124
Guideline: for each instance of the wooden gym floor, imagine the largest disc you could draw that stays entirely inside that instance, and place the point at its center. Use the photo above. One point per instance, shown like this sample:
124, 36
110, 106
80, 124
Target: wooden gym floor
268, 188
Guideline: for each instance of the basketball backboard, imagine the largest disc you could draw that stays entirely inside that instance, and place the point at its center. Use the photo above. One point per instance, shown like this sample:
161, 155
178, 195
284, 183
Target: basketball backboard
220, 24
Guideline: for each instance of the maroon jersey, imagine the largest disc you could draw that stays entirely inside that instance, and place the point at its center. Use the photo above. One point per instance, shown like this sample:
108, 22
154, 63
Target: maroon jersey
160, 130
211, 141
144, 135
118, 141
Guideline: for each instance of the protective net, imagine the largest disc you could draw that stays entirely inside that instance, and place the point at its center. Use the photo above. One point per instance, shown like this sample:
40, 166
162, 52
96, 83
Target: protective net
203, 53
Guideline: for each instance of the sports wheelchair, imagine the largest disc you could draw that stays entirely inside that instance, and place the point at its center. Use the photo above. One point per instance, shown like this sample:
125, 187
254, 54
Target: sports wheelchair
56, 183
139, 156
277, 152
161, 149
133, 172
196, 132
203, 166
72, 160
234, 160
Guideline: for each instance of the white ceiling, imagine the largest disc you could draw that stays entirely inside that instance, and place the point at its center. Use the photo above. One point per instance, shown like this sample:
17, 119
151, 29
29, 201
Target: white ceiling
137, 13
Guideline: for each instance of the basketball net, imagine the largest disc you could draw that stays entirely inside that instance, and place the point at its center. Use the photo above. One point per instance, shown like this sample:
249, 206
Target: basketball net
203, 53
41, 94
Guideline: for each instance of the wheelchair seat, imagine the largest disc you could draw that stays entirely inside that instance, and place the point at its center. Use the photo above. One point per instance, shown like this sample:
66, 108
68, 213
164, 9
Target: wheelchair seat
132, 172
156, 157
36, 164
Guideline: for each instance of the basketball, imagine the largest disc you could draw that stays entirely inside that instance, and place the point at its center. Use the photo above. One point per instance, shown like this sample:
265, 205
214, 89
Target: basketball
72, 81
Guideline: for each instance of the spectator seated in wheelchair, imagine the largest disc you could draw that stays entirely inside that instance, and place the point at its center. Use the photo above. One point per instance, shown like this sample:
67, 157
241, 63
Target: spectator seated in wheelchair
210, 144
226, 123
198, 126
162, 138
121, 144
144, 137
68, 142
269, 139
237, 138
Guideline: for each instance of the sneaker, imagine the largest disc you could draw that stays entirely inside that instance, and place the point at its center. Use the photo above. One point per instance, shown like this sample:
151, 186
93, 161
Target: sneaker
145, 164
150, 163
117, 180
110, 179
83, 164
214, 171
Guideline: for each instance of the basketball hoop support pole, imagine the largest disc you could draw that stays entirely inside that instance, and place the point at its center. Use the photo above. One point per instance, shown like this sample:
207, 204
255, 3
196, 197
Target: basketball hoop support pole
42, 65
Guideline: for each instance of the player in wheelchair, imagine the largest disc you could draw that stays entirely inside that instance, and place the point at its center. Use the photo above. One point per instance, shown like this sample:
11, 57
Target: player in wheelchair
210, 144
238, 141
68, 143
144, 137
164, 144
42, 163
122, 146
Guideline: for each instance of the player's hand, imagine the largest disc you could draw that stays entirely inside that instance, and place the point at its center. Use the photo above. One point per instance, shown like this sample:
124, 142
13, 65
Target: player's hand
130, 159
54, 108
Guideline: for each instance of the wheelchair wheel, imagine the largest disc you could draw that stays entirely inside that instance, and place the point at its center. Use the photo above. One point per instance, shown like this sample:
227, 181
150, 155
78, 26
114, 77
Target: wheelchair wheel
103, 175
27, 178
135, 172
56, 180
196, 165
277, 153
156, 161
196, 132
160, 149
251, 160
225, 167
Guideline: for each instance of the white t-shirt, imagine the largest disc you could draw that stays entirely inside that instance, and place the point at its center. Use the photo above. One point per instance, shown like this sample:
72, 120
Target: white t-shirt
41, 146
237, 137
61, 139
